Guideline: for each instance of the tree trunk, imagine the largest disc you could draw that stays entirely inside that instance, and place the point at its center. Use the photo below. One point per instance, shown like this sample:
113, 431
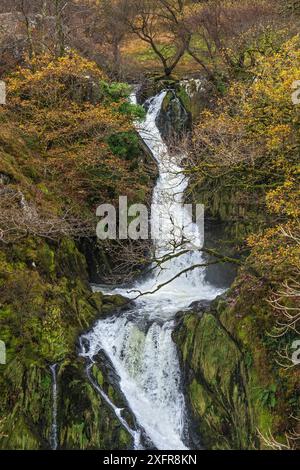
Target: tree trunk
117, 58
60, 34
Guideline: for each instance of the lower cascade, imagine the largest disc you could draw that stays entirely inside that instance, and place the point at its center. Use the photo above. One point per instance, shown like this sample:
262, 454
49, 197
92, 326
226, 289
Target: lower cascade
138, 342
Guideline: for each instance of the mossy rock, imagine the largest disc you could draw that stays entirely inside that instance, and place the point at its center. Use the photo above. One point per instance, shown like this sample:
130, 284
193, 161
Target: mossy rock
85, 419
216, 382
235, 396
112, 302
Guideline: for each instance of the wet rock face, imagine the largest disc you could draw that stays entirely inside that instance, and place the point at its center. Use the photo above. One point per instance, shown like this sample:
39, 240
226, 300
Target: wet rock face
182, 105
85, 421
216, 382
195, 95
216, 237
174, 119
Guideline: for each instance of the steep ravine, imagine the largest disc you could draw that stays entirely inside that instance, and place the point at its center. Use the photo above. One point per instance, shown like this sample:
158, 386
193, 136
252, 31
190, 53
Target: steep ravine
128, 344
138, 341
212, 381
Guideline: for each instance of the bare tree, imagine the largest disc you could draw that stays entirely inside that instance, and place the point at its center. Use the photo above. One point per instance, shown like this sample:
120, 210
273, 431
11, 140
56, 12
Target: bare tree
45, 23
149, 20
25, 10
292, 440
227, 32
19, 219
108, 28
60, 25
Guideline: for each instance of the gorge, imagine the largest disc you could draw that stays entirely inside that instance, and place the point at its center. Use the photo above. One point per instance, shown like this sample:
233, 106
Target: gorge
185, 353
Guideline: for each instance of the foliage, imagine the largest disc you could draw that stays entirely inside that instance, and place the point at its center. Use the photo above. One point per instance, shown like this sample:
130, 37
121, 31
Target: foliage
244, 164
225, 150
115, 90
124, 144
69, 114
267, 396
58, 160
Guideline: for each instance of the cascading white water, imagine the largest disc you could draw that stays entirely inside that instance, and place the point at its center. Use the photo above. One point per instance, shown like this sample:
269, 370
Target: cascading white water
54, 441
139, 341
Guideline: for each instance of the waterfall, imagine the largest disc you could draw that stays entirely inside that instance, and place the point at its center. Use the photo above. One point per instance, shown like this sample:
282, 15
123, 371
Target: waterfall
53, 438
139, 341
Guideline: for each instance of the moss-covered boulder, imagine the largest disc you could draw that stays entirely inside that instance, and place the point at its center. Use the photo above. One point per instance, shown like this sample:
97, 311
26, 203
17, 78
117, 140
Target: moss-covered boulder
173, 119
182, 105
85, 420
195, 95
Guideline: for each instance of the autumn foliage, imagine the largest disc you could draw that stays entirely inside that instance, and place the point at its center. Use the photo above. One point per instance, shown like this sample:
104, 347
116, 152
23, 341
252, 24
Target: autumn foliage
83, 146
